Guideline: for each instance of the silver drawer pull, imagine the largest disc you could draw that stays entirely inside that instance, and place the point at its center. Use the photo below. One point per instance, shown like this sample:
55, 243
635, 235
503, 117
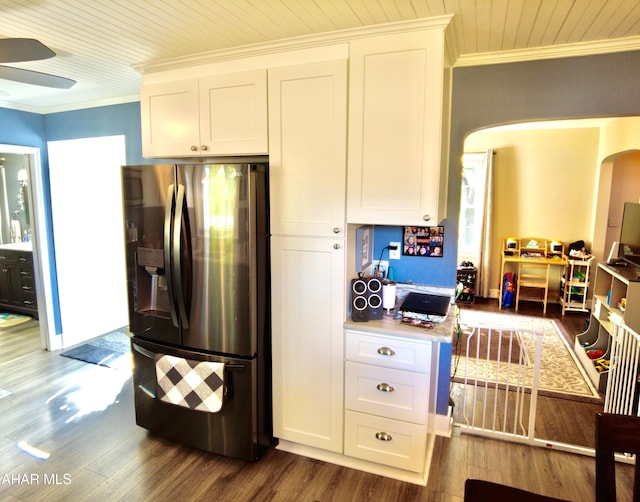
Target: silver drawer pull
383, 436
385, 387
386, 351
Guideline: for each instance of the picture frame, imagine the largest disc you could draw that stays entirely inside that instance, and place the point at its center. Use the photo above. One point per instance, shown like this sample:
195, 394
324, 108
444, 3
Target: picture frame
424, 242
364, 248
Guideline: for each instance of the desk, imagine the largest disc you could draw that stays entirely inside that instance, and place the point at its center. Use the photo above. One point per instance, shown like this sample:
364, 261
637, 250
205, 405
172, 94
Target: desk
522, 262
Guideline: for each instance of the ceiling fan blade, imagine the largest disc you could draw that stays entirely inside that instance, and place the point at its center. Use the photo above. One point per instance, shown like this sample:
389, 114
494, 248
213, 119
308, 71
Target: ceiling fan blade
35, 78
14, 50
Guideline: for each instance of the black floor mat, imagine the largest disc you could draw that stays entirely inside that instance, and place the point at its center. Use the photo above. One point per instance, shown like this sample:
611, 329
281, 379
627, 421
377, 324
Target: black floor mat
103, 351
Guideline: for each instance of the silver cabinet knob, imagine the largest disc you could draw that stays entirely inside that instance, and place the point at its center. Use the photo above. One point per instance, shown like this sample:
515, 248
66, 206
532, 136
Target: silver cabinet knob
204, 148
383, 436
385, 387
426, 217
336, 246
194, 148
336, 230
386, 351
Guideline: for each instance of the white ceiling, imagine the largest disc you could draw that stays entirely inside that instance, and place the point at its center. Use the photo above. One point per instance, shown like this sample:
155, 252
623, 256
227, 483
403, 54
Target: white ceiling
98, 41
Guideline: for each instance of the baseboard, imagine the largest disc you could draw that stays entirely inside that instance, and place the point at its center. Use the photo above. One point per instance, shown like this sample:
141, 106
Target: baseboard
417, 478
443, 424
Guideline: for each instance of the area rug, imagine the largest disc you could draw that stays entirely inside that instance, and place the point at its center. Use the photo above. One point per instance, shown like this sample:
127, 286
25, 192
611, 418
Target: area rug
561, 375
7, 320
112, 350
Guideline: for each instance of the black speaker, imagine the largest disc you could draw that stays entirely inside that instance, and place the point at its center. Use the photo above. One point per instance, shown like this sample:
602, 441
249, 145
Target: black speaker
359, 304
374, 286
366, 299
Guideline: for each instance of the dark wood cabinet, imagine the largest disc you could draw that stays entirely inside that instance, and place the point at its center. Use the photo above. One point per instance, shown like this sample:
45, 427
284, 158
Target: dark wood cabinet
17, 284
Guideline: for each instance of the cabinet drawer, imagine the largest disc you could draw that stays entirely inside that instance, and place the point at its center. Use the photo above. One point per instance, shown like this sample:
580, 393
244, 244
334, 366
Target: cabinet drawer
390, 352
28, 297
391, 393
384, 441
26, 274
8, 257
25, 259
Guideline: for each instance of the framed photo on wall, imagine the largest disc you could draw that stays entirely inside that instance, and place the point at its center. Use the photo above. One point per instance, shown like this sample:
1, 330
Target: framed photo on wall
423, 241
364, 248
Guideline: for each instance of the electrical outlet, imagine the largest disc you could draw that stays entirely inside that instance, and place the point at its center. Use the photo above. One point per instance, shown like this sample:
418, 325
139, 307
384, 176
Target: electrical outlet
394, 254
379, 268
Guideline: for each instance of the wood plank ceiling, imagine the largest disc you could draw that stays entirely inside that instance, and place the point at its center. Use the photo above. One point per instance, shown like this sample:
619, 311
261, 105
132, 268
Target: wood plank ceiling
98, 41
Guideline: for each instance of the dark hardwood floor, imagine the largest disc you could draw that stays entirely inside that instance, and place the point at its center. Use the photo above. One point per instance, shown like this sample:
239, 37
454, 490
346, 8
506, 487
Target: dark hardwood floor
82, 416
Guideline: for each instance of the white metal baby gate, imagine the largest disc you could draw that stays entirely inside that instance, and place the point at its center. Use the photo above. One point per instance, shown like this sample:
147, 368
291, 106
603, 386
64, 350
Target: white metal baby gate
622, 383
496, 374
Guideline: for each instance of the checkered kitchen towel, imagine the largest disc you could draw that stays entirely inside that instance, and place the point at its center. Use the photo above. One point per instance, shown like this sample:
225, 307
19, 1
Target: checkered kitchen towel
198, 385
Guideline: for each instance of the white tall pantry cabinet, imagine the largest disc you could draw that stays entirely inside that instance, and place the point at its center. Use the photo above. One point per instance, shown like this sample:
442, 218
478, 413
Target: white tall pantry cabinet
307, 162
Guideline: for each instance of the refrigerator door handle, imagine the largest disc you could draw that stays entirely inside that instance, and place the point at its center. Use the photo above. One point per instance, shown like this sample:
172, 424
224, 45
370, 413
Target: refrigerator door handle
168, 231
236, 368
178, 257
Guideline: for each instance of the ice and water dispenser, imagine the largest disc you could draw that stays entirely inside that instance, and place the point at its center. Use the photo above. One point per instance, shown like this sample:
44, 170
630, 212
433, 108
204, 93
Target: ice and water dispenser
151, 283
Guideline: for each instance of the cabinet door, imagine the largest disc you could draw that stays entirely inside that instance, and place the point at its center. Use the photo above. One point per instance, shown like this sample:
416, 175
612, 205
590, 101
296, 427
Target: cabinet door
395, 175
6, 288
308, 314
169, 119
307, 147
233, 113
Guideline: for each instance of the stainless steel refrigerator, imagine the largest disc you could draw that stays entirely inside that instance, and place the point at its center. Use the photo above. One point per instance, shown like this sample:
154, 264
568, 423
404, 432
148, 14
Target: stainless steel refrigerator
197, 247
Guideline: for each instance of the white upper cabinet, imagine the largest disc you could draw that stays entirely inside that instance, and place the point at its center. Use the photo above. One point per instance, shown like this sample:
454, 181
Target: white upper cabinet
216, 115
308, 148
396, 176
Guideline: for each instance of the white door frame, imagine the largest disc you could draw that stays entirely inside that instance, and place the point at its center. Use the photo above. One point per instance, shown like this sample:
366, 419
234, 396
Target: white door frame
40, 239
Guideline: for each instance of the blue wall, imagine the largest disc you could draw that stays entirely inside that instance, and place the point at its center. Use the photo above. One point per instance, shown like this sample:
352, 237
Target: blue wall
22, 128
433, 271
96, 122
31, 129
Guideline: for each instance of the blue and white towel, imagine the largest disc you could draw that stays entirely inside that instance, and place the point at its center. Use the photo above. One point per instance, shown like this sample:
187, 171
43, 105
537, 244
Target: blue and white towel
197, 385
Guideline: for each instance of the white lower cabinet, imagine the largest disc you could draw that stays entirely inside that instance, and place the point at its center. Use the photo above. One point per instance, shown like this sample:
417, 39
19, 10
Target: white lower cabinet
385, 441
307, 277
386, 392
387, 380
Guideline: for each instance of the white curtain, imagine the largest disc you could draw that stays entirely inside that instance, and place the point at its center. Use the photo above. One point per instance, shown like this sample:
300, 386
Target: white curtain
482, 277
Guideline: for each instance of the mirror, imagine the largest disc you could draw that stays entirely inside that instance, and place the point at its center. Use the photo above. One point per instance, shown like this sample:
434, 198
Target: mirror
15, 220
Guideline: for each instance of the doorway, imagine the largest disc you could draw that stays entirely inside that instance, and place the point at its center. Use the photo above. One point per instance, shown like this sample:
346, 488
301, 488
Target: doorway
86, 206
32, 199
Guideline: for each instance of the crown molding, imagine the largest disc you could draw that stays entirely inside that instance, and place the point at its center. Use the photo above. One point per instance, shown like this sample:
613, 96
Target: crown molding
68, 107
295, 43
550, 52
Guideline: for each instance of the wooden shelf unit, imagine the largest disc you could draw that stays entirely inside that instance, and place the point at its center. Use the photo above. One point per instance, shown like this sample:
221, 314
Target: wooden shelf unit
531, 260
611, 285
574, 285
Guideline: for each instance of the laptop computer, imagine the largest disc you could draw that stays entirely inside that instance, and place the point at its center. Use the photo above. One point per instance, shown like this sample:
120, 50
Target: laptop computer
426, 304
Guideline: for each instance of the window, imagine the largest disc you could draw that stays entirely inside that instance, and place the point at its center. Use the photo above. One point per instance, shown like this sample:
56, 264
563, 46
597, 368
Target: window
472, 206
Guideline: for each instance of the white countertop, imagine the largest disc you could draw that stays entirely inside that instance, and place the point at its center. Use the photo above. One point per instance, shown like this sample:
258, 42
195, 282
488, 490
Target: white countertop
441, 332
389, 325
18, 246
